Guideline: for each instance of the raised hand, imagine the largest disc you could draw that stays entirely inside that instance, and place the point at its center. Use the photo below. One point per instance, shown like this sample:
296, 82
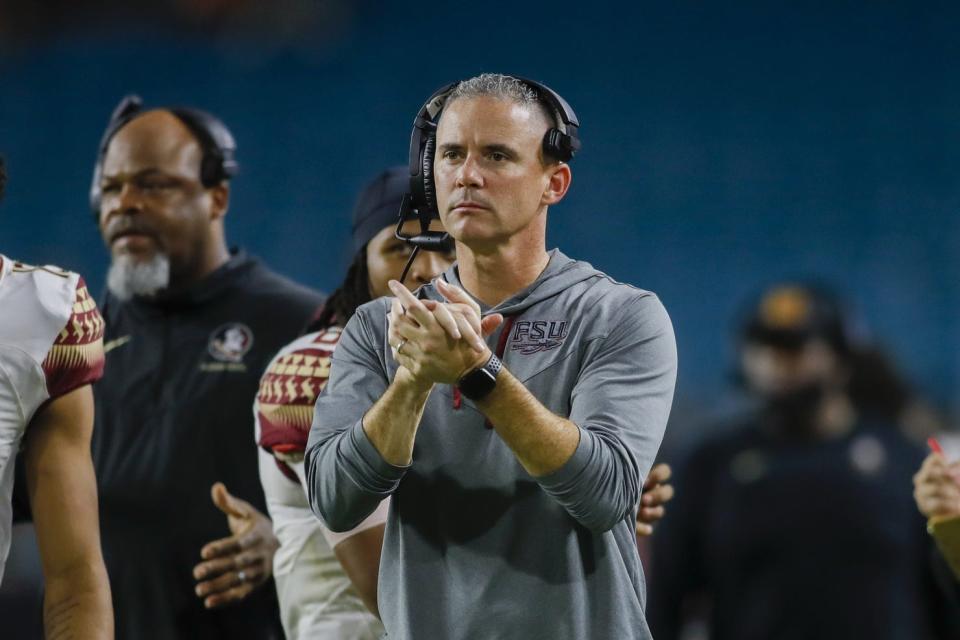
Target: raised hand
936, 487
235, 566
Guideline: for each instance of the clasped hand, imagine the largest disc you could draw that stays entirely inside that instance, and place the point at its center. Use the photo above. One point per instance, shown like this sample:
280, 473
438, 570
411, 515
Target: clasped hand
438, 342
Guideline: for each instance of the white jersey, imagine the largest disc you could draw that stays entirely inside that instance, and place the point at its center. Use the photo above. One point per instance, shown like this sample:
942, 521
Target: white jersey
51, 342
316, 597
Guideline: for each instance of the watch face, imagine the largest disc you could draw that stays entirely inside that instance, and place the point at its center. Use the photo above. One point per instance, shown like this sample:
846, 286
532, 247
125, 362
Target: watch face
477, 383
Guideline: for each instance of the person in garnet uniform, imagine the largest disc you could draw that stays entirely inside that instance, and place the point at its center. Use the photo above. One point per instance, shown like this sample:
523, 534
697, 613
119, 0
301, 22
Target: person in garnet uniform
327, 582
800, 523
190, 326
51, 350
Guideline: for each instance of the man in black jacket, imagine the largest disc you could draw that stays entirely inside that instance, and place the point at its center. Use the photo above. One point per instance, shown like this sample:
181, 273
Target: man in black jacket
799, 523
190, 326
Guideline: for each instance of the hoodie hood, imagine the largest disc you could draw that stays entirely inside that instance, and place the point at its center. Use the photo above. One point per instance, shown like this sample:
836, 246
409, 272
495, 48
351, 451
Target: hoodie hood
559, 275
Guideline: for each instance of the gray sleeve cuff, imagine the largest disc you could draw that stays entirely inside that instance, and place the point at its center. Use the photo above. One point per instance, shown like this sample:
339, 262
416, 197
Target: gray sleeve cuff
564, 479
380, 474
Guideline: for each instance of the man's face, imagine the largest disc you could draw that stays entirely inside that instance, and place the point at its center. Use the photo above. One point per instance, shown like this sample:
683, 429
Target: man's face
777, 371
490, 178
153, 202
386, 257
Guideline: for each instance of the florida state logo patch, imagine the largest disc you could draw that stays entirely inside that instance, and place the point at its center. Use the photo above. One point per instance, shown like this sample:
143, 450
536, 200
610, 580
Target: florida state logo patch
230, 342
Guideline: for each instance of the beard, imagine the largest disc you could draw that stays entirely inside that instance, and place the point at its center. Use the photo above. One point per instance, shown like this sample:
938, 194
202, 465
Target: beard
129, 276
795, 412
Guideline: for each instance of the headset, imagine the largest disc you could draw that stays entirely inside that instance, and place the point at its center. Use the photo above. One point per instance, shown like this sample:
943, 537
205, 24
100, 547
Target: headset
560, 143
216, 142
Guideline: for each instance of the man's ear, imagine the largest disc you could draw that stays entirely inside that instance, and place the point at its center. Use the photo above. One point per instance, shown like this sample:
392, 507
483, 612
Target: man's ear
559, 182
220, 200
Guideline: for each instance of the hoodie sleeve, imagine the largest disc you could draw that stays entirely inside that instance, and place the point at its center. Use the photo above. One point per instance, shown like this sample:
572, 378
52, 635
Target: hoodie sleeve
346, 476
621, 403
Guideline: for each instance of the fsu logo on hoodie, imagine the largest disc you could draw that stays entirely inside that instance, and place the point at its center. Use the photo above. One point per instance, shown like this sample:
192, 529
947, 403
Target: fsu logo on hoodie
534, 336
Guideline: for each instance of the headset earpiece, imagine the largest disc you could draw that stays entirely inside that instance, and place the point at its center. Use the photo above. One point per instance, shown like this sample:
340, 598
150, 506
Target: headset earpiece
429, 188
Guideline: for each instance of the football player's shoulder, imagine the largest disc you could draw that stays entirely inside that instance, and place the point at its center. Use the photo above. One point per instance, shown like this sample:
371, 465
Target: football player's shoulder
43, 298
51, 290
304, 364
288, 389
318, 343
58, 323
76, 357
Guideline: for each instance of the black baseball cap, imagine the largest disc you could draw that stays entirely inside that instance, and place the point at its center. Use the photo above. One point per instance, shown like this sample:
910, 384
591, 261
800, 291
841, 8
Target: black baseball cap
790, 315
378, 205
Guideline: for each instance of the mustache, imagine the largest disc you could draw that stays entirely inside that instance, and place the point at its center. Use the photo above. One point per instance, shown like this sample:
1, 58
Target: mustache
122, 226
468, 198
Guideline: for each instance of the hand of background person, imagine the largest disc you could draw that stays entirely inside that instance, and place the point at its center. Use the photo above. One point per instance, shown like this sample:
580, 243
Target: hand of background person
437, 342
936, 487
235, 566
656, 493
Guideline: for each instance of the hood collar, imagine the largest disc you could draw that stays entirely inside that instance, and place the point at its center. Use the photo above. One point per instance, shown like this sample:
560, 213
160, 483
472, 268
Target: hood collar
560, 273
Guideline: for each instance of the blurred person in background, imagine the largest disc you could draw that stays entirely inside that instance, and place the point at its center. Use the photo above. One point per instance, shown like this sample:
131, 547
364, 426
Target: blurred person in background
51, 351
327, 582
800, 523
190, 327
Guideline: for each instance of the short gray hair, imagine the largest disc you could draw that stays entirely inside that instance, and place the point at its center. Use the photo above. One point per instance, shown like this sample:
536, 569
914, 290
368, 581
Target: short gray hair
502, 87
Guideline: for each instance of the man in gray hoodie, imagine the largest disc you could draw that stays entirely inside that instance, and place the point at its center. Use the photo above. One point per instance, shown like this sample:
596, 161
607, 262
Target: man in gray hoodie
512, 409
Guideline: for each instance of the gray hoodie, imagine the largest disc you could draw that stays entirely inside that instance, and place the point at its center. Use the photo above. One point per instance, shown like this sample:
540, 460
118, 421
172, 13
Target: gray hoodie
475, 547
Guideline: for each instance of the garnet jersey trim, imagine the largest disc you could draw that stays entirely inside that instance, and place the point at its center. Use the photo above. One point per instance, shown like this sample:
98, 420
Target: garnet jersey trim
288, 391
76, 357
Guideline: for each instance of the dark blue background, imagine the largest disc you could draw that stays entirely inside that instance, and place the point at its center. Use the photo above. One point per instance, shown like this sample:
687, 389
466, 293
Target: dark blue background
724, 148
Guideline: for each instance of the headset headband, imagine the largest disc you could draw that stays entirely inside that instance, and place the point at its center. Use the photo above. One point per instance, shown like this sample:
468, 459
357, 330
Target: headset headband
562, 146
215, 140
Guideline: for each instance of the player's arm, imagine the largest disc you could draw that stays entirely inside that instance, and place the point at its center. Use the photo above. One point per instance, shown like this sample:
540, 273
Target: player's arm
358, 550
359, 555
297, 568
63, 497
282, 421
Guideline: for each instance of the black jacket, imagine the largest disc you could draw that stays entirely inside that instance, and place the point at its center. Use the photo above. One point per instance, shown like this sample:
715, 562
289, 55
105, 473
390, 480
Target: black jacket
173, 416
799, 540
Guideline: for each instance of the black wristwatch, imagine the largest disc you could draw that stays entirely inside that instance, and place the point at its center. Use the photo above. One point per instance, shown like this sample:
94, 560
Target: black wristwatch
480, 382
